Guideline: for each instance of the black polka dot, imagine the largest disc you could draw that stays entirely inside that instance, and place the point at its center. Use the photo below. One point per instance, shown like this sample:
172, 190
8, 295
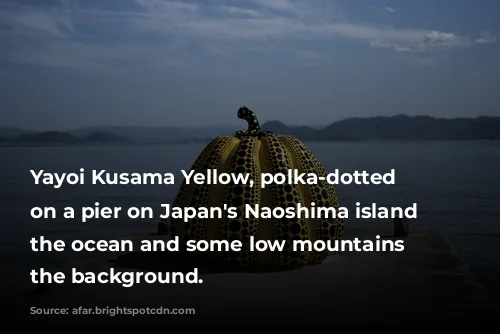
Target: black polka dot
238, 190
234, 226
295, 228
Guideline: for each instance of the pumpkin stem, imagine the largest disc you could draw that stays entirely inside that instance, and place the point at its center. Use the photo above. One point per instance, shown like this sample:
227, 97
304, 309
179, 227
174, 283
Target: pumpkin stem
249, 116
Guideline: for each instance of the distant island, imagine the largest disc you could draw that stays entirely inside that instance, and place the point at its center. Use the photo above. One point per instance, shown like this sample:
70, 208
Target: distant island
64, 138
400, 127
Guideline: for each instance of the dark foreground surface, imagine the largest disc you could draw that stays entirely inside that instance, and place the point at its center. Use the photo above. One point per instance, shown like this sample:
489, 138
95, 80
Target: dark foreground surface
426, 285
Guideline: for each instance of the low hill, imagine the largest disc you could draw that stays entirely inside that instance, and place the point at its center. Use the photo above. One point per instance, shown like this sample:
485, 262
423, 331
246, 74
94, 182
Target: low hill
155, 135
104, 137
278, 127
400, 127
64, 138
49, 137
404, 127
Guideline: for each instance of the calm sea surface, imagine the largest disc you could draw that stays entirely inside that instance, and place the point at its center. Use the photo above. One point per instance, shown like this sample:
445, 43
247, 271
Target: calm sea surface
456, 186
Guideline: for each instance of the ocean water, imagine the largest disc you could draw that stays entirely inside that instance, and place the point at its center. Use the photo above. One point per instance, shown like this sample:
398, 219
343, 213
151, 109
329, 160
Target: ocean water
455, 185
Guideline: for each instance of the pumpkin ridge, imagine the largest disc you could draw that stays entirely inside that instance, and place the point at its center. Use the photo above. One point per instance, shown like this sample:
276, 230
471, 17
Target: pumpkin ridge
195, 195
299, 162
332, 228
268, 228
197, 228
312, 193
185, 191
217, 190
285, 195
245, 160
213, 226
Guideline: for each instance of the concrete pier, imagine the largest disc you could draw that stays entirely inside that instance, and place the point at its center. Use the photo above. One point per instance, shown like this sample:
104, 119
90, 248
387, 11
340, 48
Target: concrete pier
425, 285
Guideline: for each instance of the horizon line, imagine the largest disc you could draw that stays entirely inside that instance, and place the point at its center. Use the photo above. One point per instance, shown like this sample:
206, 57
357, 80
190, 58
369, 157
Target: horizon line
191, 126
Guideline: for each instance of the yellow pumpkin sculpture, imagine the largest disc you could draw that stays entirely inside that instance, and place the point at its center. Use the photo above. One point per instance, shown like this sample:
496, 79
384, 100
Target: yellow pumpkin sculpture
256, 151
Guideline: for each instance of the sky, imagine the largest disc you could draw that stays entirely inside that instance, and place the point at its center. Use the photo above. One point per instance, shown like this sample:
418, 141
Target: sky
68, 64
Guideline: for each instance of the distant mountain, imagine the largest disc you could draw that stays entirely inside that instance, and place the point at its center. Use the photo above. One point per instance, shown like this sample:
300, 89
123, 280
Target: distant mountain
49, 137
400, 127
64, 138
278, 127
104, 137
404, 127
156, 135
3, 139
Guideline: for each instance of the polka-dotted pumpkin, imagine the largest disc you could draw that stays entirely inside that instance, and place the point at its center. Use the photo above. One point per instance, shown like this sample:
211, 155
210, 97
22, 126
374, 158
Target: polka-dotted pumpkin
255, 151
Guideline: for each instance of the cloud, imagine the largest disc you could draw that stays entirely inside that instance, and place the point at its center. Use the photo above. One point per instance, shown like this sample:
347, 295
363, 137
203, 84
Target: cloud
421, 41
486, 38
154, 30
384, 10
166, 6
53, 22
279, 5
389, 9
260, 26
240, 11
